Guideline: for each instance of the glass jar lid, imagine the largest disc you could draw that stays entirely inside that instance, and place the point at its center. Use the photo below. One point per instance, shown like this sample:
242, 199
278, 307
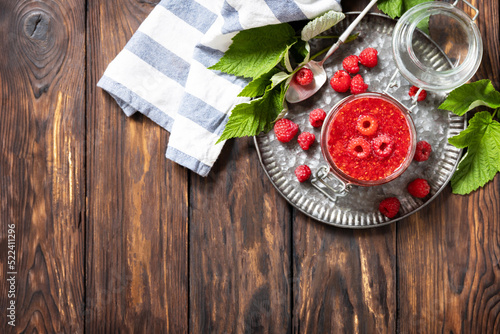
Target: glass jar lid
452, 32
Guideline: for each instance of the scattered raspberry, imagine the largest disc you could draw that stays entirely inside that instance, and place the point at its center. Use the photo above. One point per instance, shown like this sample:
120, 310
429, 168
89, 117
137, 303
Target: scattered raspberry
316, 117
305, 140
341, 81
383, 145
285, 130
303, 172
359, 148
414, 90
351, 64
368, 57
389, 207
358, 85
419, 188
304, 76
367, 125
423, 151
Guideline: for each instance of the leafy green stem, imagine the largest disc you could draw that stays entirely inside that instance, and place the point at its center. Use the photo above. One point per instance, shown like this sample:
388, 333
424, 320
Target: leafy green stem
320, 53
325, 37
495, 112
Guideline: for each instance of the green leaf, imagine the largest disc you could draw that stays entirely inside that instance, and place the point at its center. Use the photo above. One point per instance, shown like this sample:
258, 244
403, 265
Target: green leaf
286, 58
424, 25
396, 8
257, 87
470, 96
321, 24
250, 119
278, 78
482, 160
256, 51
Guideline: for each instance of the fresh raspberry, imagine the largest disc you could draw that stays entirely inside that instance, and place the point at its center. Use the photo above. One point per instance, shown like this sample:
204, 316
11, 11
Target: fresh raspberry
358, 85
367, 125
414, 90
304, 76
305, 140
423, 151
368, 57
359, 148
316, 117
383, 145
285, 130
303, 172
419, 188
341, 81
351, 64
389, 207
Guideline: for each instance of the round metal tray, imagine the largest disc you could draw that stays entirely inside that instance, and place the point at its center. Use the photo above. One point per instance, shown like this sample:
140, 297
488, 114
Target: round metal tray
359, 208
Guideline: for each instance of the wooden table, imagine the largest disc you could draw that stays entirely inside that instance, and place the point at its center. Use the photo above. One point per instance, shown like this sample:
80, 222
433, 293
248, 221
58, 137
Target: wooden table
112, 237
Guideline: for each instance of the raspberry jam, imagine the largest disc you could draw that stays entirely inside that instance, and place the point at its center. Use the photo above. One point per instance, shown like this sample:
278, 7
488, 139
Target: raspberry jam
368, 139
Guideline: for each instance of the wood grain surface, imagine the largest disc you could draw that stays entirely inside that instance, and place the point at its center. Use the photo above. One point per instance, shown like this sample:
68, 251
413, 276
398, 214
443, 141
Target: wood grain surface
137, 222
42, 150
113, 238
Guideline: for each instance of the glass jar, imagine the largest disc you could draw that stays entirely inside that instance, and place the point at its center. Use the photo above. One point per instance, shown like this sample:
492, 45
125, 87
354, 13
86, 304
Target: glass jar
378, 106
453, 33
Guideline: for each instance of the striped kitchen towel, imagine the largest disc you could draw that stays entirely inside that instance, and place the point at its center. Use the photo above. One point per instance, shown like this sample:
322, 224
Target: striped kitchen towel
162, 71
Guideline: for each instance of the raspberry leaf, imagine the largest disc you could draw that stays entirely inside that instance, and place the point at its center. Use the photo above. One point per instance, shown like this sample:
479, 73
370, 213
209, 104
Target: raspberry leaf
482, 161
279, 78
250, 119
256, 51
396, 8
257, 87
470, 96
321, 24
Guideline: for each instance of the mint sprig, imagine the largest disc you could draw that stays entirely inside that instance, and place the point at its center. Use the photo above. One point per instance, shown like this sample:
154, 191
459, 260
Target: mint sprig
482, 137
266, 54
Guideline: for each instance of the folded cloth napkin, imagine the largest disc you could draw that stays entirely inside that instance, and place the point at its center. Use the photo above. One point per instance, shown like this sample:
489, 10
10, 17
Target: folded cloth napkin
162, 71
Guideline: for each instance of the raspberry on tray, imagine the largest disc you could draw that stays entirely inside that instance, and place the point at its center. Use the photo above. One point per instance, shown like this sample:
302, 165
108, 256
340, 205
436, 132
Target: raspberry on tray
303, 173
414, 89
341, 81
316, 117
368, 57
305, 140
351, 64
389, 207
358, 85
285, 130
419, 188
423, 151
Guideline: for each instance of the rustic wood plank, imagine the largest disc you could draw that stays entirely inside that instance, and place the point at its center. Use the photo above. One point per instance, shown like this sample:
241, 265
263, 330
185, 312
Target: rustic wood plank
239, 248
42, 169
344, 280
448, 273
137, 274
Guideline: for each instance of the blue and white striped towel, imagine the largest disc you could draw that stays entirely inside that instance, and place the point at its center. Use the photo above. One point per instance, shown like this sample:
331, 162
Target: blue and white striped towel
162, 71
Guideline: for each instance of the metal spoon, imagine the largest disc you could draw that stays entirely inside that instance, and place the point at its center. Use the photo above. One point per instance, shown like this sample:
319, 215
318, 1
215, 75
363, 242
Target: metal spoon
297, 93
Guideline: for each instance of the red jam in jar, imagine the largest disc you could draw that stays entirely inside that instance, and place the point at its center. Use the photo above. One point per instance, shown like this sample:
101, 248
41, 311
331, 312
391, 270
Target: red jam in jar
369, 139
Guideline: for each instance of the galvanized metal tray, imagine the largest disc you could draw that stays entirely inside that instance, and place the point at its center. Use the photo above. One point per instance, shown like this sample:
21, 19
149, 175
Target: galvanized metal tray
359, 208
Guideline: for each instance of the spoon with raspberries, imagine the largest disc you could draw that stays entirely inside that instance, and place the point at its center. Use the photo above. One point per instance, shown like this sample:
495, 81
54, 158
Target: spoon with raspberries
309, 79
